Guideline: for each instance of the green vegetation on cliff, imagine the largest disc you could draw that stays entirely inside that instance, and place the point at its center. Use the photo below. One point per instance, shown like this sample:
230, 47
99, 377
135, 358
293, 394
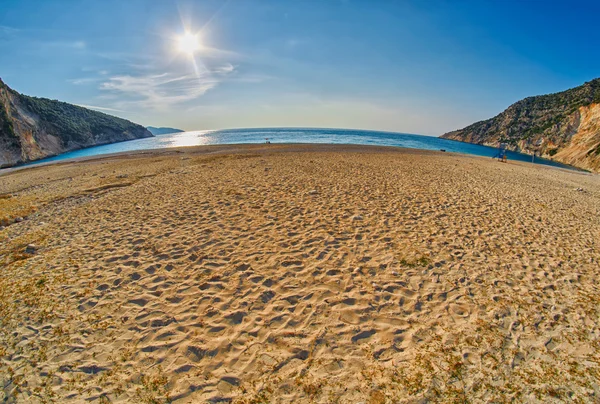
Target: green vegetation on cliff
7, 126
550, 110
545, 124
32, 128
74, 122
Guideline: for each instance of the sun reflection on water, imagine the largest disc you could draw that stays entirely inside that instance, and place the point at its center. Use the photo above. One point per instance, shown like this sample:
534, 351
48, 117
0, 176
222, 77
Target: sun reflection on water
195, 138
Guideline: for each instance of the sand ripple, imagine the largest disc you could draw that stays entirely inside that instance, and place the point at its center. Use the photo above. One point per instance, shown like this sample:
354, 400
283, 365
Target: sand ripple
374, 275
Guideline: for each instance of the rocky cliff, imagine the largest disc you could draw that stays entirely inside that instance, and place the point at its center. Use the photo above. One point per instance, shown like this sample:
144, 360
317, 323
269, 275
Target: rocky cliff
563, 126
33, 128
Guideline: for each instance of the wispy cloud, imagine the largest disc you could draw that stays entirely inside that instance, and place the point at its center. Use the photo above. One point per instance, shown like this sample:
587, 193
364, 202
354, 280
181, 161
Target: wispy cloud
225, 69
67, 44
6, 30
24, 37
100, 108
83, 80
160, 91
8, 33
254, 78
77, 44
294, 42
214, 53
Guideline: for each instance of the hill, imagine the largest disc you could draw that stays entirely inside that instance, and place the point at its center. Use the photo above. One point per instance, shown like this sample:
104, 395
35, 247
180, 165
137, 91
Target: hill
564, 126
163, 131
32, 128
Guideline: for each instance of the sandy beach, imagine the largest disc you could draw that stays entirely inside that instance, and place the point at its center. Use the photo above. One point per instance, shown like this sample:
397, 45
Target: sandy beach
299, 273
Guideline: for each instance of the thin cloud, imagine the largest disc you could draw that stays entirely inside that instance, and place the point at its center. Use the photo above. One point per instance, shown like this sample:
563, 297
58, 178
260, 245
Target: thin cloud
208, 52
66, 44
225, 69
292, 43
254, 78
76, 44
11, 33
83, 80
6, 30
126, 58
160, 91
100, 108
8, 33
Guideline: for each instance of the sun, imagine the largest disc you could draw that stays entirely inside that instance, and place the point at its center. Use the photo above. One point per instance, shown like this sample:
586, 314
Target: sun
188, 43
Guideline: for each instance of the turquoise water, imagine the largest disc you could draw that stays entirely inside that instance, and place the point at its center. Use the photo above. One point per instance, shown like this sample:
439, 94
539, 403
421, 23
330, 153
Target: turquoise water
295, 135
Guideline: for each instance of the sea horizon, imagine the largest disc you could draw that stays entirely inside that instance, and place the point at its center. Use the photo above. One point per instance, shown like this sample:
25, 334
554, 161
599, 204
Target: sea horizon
294, 134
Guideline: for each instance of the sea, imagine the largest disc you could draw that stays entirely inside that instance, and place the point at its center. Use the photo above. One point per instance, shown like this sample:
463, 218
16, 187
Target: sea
295, 135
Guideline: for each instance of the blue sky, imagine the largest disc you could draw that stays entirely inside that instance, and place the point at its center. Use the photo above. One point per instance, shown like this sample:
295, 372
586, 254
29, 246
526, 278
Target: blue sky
422, 67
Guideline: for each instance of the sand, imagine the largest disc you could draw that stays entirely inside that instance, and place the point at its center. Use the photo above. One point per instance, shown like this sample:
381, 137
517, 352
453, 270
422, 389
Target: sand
299, 274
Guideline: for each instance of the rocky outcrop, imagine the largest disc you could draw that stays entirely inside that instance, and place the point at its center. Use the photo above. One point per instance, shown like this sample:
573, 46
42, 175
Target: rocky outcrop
33, 128
563, 126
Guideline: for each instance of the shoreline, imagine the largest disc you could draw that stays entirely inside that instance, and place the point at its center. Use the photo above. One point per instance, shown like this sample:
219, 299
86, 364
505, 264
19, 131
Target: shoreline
280, 147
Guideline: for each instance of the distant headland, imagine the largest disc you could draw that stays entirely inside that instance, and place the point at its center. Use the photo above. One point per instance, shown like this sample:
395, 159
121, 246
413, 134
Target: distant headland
162, 130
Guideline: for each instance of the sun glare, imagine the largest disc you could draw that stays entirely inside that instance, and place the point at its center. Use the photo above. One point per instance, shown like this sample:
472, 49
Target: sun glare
188, 43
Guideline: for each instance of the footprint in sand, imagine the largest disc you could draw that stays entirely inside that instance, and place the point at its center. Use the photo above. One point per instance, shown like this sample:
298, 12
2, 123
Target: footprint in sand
363, 335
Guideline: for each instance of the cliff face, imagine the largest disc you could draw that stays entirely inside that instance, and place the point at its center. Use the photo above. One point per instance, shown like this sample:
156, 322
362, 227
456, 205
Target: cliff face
33, 128
564, 127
